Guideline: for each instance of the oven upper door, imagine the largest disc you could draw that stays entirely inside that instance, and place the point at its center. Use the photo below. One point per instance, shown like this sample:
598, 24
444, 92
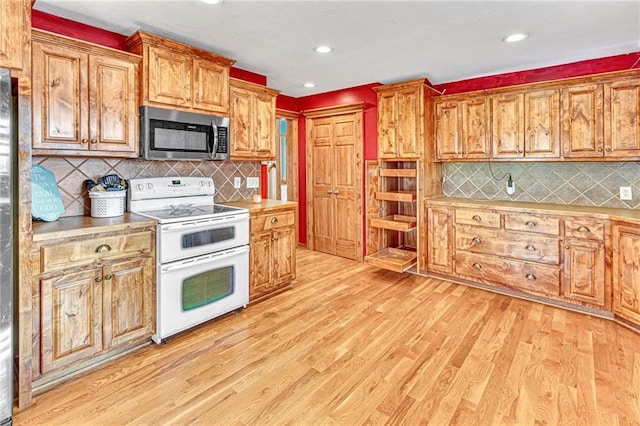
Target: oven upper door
197, 237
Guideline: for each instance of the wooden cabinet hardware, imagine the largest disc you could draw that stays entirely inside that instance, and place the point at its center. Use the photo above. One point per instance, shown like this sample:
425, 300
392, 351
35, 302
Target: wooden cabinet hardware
103, 248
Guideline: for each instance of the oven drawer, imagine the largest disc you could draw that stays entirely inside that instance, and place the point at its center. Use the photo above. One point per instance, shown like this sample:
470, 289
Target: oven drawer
87, 251
267, 221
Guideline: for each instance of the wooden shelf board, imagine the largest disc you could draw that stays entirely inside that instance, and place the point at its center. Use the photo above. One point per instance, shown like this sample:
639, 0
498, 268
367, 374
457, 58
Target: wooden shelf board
393, 259
396, 196
410, 173
395, 222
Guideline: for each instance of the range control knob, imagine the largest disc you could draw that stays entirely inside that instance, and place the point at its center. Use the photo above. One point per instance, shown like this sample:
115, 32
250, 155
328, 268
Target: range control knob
139, 187
149, 185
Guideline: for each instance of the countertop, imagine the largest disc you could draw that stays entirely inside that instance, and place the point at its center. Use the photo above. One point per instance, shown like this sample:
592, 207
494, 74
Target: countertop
604, 212
81, 225
264, 206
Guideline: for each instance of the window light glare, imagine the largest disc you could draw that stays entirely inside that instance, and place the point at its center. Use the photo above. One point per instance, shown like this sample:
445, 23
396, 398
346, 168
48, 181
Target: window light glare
322, 49
512, 38
309, 85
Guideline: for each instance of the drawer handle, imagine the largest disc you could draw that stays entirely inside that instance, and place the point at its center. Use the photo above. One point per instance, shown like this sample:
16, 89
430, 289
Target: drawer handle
477, 266
274, 219
477, 240
584, 229
108, 277
476, 218
530, 247
103, 248
531, 224
530, 277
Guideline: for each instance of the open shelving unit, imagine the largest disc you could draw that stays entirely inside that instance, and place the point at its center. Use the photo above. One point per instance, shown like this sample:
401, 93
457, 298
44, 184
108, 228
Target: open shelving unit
393, 224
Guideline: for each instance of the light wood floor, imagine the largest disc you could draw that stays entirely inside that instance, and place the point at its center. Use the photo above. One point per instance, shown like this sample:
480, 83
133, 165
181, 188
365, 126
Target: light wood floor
351, 344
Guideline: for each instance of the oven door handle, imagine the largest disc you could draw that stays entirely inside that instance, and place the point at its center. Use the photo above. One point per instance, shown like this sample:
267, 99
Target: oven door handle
206, 259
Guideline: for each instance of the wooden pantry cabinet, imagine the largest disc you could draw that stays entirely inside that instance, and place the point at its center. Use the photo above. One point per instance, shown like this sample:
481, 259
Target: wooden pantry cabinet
13, 16
84, 98
253, 121
180, 76
93, 295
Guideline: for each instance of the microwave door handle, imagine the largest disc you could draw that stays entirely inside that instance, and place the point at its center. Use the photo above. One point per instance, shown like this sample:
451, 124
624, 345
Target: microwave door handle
215, 140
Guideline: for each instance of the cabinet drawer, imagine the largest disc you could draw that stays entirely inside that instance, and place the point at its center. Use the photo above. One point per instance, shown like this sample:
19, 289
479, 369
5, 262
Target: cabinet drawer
532, 223
589, 229
277, 219
517, 245
489, 219
513, 274
77, 253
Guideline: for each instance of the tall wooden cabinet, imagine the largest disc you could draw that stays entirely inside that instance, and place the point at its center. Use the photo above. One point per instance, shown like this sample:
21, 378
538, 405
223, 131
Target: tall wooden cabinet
253, 121
84, 98
12, 31
177, 75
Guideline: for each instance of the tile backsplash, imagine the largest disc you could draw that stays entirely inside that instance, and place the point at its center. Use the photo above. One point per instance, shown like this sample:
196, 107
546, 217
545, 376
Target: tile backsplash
579, 183
71, 172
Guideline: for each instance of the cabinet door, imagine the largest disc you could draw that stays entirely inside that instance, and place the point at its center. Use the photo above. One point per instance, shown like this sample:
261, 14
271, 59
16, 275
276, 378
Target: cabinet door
128, 302
11, 33
582, 121
387, 115
508, 126
626, 273
71, 309
440, 237
284, 252
323, 166
241, 131
211, 82
410, 119
113, 118
60, 98
261, 264
622, 138
475, 143
169, 77
542, 116
583, 273
448, 130
265, 126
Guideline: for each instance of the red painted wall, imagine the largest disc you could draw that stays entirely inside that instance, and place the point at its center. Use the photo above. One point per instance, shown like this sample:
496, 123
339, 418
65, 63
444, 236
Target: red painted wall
287, 103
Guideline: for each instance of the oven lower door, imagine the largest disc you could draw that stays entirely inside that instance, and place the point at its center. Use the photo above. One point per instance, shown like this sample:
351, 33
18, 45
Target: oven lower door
195, 290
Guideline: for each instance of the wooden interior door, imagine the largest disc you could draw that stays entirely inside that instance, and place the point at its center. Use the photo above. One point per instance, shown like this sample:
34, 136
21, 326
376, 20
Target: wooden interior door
334, 181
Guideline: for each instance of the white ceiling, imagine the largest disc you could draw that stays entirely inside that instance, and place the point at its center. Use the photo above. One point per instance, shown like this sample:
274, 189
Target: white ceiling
374, 41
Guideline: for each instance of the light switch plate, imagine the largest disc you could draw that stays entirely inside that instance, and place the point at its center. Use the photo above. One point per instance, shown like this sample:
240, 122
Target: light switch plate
237, 182
253, 182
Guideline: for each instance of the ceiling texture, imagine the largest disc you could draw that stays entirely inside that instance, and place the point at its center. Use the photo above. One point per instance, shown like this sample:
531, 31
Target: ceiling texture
374, 41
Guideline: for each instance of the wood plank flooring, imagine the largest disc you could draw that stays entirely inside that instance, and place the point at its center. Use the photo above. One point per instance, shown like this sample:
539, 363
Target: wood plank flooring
351, 344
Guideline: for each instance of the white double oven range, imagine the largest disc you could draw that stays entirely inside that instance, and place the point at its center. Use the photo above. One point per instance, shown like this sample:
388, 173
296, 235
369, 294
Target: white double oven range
202, 251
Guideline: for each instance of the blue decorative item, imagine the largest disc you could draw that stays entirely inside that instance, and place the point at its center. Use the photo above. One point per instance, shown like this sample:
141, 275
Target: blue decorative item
46, 202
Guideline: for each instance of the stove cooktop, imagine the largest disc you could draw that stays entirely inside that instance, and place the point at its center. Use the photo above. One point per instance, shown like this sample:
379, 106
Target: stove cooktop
184, 212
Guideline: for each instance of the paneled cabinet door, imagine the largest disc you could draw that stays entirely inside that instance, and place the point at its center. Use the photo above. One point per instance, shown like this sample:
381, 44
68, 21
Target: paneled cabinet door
241, 114
475, 138
128, 301
542, 115
113, 120
387, 114
508, 125
284, 255
622, 119
440, 240
261, 264
11, 33
169, 77
583, 273
60, 98
626, 272
448, 130
583, 121
265, 126
410, 118
211, 82
71, 309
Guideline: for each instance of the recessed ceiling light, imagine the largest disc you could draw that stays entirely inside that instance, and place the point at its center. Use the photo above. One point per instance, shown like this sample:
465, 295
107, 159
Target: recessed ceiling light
309, 85
211, 1
322, 49
512, 38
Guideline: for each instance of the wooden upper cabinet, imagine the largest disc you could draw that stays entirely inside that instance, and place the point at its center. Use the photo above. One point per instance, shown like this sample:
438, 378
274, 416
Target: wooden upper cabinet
582, 121
181, 76
508, 125
84, 98
461, 130
253, 121
542, 118
475, 137
622, 119
448, 130
401, 117
12, 30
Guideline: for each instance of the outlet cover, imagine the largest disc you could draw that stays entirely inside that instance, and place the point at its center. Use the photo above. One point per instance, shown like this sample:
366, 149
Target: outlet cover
237, 182
625, 193
253, 182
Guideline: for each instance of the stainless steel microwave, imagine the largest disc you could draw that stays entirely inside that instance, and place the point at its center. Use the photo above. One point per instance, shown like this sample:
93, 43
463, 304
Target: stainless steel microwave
167, 134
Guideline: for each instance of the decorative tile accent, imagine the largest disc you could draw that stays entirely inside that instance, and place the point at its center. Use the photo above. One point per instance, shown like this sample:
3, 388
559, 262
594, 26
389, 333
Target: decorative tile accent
578, 183
72, 171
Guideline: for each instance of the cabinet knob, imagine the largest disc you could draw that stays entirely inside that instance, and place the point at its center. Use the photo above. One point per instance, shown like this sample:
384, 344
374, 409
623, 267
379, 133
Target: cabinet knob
275, 239
530, 277
567, 246
477, 240
188, 98
608, 149
476, 218
531, 224
103, 248
274, 219
329, 191
477, 266
94, 141
108, 277
98, 279
84, 140
599, 149
530, 247
197, 100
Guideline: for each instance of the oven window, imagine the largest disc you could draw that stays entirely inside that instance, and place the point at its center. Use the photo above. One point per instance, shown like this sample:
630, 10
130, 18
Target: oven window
207, 287
209, 236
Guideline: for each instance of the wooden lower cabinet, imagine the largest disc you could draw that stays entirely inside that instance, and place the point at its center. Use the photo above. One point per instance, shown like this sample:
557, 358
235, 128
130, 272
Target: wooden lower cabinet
626, 271
440, 235
583, 277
